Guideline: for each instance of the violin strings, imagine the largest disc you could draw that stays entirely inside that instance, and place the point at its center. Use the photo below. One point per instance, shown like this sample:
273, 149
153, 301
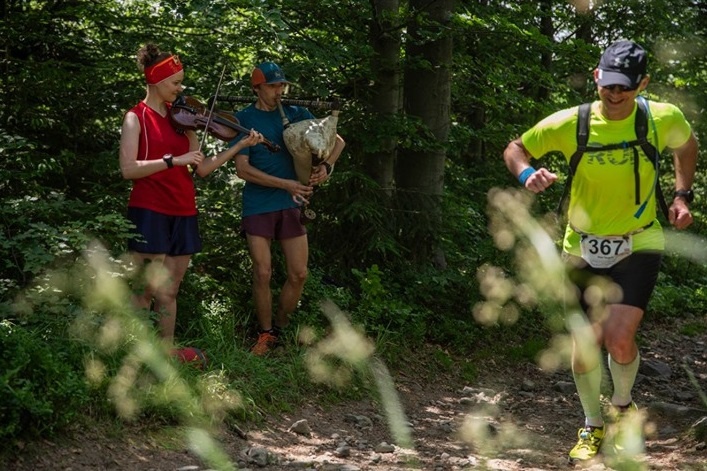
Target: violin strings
211, 111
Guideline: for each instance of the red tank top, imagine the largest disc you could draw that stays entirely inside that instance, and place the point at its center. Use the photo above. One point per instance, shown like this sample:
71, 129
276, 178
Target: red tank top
169, 191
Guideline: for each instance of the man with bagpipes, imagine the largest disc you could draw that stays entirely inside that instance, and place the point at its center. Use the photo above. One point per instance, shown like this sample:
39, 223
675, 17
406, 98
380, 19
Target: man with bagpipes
275, 198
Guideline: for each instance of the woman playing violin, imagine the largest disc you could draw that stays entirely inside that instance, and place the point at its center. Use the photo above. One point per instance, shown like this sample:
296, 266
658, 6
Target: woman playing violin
162, 204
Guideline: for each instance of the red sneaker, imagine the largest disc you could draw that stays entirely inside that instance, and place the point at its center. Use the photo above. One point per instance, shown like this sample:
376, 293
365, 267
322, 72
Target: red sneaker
265, 343
192, 356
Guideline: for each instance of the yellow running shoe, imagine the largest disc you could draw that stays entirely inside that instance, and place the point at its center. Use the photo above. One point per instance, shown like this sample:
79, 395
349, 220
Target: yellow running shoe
588, 444
617, 413
625, 441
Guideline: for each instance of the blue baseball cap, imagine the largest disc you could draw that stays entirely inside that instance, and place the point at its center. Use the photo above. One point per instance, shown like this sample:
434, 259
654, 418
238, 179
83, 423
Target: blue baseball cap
267, 72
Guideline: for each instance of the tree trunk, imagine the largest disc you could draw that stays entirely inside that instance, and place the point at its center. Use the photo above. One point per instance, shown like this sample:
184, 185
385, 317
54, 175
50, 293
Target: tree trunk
427, 96
475, 152
385, 97
581, 79
548, 30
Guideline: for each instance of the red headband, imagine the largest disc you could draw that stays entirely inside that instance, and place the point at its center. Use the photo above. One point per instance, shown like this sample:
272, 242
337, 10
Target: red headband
162, 70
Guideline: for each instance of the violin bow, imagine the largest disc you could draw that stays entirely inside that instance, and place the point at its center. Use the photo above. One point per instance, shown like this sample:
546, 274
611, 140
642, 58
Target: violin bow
211, 111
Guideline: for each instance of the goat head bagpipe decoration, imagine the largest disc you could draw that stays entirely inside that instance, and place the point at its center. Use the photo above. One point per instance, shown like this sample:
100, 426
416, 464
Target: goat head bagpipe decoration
310, 141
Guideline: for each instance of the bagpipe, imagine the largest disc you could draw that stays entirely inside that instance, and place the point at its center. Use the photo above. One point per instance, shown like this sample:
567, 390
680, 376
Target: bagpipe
310, 142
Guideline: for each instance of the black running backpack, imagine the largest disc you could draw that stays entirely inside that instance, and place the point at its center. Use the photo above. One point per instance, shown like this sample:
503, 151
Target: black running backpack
641, 127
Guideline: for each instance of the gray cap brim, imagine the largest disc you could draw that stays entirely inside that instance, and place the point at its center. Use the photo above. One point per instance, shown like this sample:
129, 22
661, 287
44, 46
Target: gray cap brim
607, 78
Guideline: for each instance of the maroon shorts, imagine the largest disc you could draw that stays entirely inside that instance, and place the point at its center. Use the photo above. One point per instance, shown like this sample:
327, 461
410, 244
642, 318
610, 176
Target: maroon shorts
277, 225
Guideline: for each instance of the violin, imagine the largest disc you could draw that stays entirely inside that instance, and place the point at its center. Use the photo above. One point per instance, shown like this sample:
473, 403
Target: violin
188, 113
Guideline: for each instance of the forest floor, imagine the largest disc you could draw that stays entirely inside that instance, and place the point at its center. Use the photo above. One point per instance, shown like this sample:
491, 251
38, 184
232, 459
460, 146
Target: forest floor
513, 417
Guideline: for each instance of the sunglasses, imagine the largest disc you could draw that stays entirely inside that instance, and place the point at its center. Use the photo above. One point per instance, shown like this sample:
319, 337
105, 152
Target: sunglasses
619, 88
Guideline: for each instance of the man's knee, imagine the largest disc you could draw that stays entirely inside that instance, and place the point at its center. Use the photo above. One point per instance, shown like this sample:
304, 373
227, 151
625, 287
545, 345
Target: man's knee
620, 346
298, 277
262, 275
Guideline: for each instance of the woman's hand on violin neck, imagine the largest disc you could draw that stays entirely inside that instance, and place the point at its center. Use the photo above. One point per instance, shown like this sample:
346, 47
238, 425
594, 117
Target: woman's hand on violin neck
194, 158
251, 139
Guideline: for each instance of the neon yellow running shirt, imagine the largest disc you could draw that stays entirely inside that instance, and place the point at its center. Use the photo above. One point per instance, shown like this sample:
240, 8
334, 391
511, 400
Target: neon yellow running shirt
603, 199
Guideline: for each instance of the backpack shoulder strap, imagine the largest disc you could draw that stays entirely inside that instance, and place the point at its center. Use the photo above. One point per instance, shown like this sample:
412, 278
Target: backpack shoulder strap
584, 112
583, 117
641, 121
641, 128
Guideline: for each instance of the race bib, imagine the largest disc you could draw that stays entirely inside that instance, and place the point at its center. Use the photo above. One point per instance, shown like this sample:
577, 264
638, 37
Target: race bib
605, 252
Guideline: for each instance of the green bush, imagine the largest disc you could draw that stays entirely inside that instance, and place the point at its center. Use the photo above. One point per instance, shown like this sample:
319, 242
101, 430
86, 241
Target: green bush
40, 391
673, 298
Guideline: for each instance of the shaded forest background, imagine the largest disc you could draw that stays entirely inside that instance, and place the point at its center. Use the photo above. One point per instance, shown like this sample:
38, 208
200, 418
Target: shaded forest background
431, 93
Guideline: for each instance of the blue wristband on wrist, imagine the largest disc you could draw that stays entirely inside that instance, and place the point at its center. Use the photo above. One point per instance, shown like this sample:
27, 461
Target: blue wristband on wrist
525, 174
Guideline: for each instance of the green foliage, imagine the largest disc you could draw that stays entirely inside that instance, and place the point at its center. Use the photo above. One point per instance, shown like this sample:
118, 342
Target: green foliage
443, 360
40, 389
672, 298
49, 230
527, 351
469, 371
69, 74
382, 311
694, 329
356, 211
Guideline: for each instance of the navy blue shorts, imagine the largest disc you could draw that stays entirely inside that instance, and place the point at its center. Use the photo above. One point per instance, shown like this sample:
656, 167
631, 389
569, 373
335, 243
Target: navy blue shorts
636, 274
277, 225
158, 233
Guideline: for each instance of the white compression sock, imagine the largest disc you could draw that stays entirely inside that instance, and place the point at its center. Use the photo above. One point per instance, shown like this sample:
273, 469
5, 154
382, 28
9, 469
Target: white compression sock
623, 377
588, 387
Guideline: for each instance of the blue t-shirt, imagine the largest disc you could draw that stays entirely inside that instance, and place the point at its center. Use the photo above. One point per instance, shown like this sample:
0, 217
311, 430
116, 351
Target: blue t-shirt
258, 199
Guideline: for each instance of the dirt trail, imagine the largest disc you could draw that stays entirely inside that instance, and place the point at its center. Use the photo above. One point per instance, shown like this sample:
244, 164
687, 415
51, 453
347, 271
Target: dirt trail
514, 417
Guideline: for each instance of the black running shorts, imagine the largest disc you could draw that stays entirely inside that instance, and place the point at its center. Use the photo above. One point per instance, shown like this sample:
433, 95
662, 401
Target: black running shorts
636, 275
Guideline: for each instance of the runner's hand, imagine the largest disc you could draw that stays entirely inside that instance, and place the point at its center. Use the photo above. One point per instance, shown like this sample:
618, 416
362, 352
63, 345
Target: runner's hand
679, 214
540, 181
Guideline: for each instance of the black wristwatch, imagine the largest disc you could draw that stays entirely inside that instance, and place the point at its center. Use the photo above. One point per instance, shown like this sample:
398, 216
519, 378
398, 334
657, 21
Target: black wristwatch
687, 195
168, 160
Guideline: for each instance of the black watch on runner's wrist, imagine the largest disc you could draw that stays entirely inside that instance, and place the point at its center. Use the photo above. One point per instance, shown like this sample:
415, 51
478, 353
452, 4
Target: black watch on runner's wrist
328, 167
168, 160
687, 195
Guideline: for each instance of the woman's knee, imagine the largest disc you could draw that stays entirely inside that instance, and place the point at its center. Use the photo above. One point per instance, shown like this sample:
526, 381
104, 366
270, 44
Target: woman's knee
167, 294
